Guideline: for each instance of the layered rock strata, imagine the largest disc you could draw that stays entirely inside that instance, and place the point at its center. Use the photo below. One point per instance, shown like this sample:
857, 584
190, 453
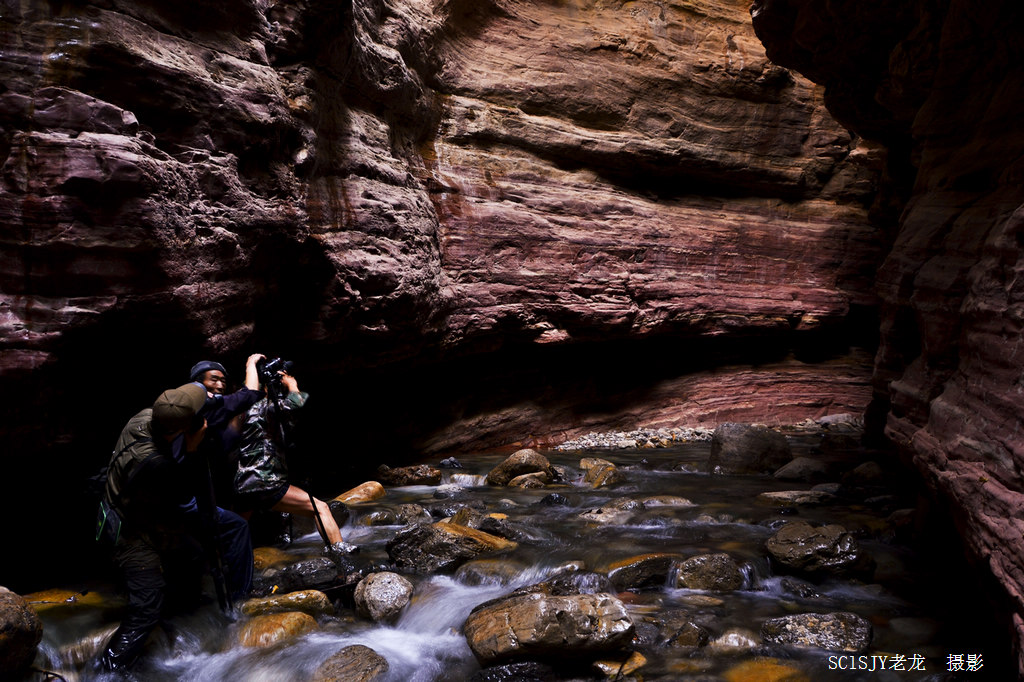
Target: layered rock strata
941, 83
478, 223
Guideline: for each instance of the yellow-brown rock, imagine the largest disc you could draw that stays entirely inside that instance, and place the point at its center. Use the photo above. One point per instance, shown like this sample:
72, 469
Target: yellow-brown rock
365, 492
616, 669
313, 602
765, 670
266, 557
601, 475
48, 599
267, 630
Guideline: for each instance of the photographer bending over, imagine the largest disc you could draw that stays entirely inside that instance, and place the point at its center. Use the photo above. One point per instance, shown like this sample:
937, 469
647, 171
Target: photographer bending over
261, 481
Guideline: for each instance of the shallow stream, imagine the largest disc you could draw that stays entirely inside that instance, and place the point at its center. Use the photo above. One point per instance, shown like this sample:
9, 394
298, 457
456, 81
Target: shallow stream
919, 605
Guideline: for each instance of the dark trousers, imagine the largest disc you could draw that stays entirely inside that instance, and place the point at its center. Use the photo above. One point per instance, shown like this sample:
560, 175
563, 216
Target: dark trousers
154, 565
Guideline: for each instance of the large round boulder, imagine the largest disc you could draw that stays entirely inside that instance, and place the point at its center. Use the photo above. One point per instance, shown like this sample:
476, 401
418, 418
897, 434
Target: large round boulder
717, 572
382, 596
831, 631
356, 663
441, 546
747, 449
20, 633
521, 462
825, 549
537, 625
267, 630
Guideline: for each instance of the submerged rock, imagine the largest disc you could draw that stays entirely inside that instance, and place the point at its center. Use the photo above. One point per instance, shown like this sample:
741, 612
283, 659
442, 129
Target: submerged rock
20, 634
441, 546
747, 449
716, 572
785, 498
356, 663
489, 572
539, 625
382, 596
765, 670
267, 630
841, 631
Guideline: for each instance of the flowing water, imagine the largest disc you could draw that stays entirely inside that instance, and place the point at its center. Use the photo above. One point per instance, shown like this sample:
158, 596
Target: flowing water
919, 607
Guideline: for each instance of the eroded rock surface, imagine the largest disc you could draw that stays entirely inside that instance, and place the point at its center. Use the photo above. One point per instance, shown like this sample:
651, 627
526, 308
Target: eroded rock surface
940, 84
452, 212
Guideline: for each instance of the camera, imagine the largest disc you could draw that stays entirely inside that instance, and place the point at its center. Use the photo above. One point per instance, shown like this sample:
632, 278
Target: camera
268, 370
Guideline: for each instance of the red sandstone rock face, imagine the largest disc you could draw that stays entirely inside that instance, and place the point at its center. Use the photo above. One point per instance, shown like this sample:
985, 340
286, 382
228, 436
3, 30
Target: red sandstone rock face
460, 217
945, 83
366, 184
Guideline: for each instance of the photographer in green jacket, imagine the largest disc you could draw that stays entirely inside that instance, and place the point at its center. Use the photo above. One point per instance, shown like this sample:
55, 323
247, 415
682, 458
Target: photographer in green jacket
150, 519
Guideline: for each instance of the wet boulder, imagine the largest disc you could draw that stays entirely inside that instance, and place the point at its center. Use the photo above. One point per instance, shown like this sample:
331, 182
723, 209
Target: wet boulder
441, 546
382, 596
644, 570
535, 480
20, 634
268, 557
715, 572
356, 663
412, 513
746, 449
802, 547
379, 517
489, 572
572, 582
313, 602
537, 625
267, 630
603, 475
521, 462
420, 474
308, 574
687, 634
841, 631
615, 512
366, 492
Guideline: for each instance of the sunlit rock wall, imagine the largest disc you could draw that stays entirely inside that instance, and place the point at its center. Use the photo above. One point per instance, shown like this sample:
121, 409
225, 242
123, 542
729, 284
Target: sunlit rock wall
942, 83
471, 223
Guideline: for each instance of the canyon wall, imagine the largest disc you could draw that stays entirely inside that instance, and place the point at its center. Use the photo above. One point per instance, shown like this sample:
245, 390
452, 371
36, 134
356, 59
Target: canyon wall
471, 224
941, 83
